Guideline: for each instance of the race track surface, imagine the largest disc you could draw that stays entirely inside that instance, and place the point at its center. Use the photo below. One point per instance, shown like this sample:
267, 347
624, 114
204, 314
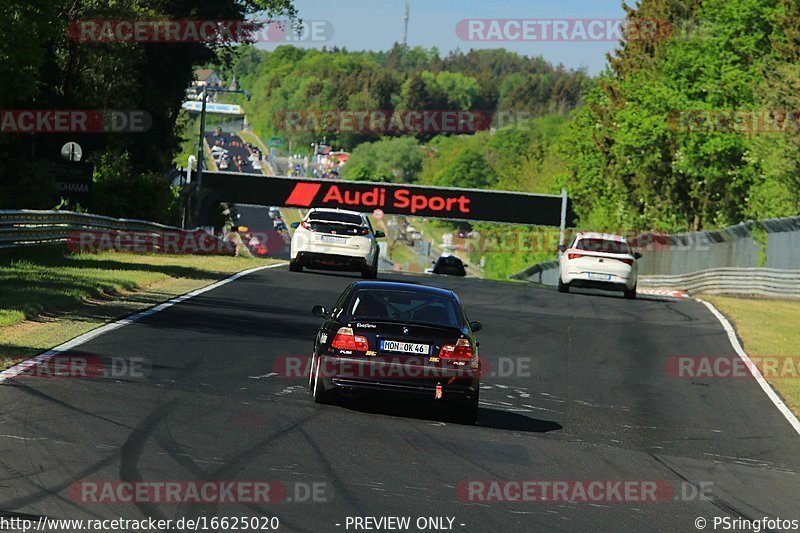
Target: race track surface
579, 390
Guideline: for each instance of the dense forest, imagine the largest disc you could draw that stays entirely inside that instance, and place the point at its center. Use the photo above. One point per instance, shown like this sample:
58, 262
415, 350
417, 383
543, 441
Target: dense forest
697, 129
667, 139
291, 82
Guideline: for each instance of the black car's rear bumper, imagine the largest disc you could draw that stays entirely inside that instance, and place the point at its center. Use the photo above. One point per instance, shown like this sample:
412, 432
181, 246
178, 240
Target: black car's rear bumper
403, 379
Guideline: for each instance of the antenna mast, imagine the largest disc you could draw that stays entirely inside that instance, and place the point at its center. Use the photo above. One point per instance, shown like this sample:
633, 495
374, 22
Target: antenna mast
405, 23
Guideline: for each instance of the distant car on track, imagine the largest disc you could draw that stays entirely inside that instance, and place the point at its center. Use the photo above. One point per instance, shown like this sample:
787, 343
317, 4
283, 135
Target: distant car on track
335, 239
449, 265
402, 338
600, 261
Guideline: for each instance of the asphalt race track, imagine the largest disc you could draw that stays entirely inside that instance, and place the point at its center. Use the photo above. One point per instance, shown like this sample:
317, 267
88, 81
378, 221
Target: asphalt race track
256, 219
594, 401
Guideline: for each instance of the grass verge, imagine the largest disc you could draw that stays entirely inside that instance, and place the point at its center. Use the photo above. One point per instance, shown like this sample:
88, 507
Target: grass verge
768, 329
48, 297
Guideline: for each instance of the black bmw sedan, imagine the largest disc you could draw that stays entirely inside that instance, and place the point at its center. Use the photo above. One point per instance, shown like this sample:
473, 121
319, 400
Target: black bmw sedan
399, 338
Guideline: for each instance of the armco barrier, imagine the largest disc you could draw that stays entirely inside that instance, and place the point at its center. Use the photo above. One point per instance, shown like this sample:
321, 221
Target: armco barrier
754, 257
545, 273
772, 243
730, 280
24, 228
760, 281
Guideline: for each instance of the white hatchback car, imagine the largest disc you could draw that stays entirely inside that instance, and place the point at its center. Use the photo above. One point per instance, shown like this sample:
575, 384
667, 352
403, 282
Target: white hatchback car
599, 261
335, 239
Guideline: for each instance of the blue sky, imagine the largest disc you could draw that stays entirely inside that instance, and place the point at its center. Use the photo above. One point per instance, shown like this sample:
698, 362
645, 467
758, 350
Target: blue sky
376, 24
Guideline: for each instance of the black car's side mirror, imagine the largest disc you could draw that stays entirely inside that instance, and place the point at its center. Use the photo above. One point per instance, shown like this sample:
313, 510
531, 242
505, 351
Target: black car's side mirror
379, 234
319, 311
475, 326
637, 255
433, 262
295, 225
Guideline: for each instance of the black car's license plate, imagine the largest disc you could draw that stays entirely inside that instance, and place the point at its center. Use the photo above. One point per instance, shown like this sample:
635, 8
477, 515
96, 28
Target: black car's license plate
405, 347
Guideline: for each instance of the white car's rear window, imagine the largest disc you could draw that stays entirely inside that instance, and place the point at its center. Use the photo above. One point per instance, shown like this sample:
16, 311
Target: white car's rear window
347, 218
603, 245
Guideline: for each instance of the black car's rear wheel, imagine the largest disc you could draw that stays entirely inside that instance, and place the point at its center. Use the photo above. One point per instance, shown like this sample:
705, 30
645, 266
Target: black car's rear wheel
311, 375
295, 266
466, 411
319, 389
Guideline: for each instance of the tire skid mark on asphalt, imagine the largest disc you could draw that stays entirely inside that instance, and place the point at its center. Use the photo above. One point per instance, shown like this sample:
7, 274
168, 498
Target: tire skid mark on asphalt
439, 445
53, 492
236, 463
422, 449
716, 501
218, 474
338, 482
133, 446
19, 368
48, 398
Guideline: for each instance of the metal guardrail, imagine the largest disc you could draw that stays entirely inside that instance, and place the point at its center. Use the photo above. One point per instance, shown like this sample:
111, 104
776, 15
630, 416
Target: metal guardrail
26, 227
759, 257
545, 273
760, 281
728, 280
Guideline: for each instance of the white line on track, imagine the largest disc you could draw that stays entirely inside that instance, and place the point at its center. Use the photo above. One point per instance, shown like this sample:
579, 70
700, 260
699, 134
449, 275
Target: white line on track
19, 368
771, 394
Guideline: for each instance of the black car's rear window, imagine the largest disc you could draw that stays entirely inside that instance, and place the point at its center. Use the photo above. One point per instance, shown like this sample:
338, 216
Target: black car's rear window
405, 306
603, 245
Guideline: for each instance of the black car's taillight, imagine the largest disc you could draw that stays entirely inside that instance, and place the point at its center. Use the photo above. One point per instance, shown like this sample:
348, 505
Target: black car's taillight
346, 340
460, 351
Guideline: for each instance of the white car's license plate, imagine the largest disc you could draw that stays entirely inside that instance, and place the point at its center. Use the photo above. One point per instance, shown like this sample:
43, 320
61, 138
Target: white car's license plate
334, 239
593, 275
405, 347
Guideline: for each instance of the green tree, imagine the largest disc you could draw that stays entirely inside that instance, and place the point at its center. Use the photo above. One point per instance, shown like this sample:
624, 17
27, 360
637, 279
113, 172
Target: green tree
469, 170
396, 160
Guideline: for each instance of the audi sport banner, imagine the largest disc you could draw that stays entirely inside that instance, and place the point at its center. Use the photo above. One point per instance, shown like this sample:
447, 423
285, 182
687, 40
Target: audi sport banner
416, 200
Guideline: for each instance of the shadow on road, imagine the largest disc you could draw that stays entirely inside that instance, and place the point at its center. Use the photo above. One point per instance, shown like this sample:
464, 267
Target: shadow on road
423, 410
598, 293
